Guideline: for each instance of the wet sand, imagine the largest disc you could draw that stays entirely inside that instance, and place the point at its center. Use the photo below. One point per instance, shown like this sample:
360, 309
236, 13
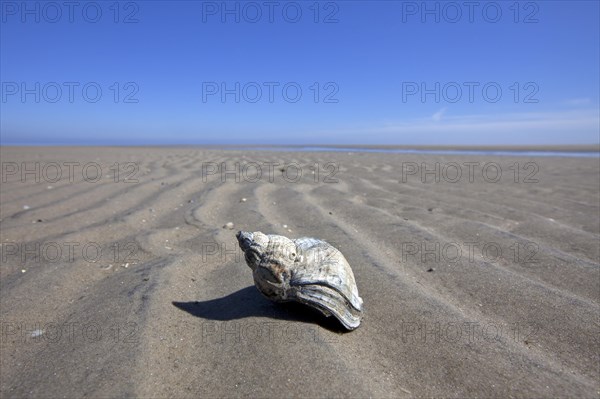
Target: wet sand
482, 284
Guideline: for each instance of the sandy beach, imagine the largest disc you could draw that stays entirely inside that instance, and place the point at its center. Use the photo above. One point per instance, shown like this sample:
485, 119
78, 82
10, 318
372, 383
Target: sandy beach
480, 275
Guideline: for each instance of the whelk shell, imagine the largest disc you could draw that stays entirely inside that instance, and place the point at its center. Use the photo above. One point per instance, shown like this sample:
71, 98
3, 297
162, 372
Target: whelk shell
305, 270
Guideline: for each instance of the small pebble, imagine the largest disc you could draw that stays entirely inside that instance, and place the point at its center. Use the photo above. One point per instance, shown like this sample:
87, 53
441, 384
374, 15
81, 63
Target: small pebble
430, 269
228, 225
23, 270
243, 200
190, 201
285, 226
25, 207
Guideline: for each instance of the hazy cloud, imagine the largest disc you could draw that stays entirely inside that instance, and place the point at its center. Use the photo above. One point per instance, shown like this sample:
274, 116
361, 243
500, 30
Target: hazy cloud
438, 115
578, 101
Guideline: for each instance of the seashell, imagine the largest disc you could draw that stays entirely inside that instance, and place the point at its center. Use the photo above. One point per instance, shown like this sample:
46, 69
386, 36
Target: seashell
305, 270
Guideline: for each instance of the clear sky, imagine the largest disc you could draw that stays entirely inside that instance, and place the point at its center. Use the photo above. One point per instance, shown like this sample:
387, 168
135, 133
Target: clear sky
306, 72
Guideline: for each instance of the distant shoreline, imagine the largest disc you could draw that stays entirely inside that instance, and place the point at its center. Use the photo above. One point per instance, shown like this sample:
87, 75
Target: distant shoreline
573, 151
310, 147
547, 151
561, 148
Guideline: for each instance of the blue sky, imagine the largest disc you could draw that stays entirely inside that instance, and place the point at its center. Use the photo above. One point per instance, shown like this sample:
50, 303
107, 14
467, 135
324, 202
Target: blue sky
306, 72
